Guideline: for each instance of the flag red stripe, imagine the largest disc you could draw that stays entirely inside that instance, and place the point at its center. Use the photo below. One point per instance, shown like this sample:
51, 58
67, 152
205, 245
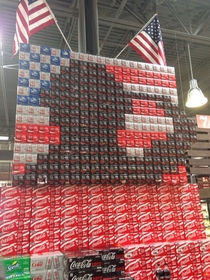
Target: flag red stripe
40, 27
150, 49
29, 20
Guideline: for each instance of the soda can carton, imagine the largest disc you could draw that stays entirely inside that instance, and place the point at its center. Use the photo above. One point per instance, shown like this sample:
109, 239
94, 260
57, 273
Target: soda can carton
97, 242
92, 274
112, 254
82, 260
45, 261
133, 265
16, 265
41, 247
113, 268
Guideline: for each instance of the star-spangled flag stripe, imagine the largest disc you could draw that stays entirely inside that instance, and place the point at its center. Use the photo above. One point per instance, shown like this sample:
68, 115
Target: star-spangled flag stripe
148, 43
31, 17
39, 17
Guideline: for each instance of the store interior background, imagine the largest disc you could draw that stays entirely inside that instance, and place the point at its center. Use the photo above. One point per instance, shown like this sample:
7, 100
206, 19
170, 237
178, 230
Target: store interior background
182, 22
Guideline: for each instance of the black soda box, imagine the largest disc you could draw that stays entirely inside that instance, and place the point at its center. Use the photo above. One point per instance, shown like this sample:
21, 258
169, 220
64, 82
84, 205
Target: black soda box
113, 268
111, 254
89, 274
81, 262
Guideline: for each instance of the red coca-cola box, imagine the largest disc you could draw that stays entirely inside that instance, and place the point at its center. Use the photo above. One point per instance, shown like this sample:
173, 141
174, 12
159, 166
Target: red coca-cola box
41, 191
39, 236
170, 236
24, 224
158, 249
8, 238
8, 250
40, 213
69, 201
95, 199
25, 201
96, 209
96, 220
39, 202
68, 222
132, 252
39, 224
186, 271
70, 191
39, 247
133, 265
18, 168
10, 203
68, 211
69, 233
8, 215
97, 242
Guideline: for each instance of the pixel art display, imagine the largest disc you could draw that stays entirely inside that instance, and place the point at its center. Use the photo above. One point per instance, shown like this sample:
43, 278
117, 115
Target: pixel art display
89, 119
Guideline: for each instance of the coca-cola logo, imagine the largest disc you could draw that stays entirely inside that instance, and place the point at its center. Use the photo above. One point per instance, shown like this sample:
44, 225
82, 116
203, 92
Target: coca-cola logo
109, 269
109, 256
6, 239
10, 204
80, 264
8, 228
10, 215
39, 249
40, 225
84, 277
40, 237
42, 213
41, 202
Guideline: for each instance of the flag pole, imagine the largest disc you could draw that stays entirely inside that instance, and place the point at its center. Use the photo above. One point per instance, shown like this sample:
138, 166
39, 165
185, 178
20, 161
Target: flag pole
137, 33
58, 26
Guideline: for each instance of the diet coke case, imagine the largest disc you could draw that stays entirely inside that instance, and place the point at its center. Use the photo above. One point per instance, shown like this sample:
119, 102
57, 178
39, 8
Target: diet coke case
81, 262
46, 261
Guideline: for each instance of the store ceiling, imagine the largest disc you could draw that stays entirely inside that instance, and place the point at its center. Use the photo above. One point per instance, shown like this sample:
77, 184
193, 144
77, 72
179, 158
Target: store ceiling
182, 22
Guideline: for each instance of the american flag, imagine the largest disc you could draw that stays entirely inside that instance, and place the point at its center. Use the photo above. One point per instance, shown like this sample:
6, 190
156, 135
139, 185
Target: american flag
31, 16
148, 43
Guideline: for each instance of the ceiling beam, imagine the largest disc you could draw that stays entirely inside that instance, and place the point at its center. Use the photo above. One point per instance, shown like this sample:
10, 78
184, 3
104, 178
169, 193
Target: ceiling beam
167, 33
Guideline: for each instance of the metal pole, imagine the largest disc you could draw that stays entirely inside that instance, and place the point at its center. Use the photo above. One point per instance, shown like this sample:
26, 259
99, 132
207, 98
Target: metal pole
92, 32
191, 71
82, 27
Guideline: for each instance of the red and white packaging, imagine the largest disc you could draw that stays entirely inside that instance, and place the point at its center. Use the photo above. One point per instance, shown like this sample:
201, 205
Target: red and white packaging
158, 249
10, 203
184, 259
132, 252
40, 213
96, 220
96, 209
97, 242
69, 211
98, 230
70, 191
39, 236
69, 245
8, 238
23, 235
41, 247
8, 250
69, 233
8, 226
69, 222
95, 189
69, 201
41, 202
6, 215
186, 271
41, 191
133, 265
39, 224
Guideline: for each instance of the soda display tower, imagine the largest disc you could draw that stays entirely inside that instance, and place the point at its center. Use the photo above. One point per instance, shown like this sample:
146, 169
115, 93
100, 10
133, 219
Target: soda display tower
99, 163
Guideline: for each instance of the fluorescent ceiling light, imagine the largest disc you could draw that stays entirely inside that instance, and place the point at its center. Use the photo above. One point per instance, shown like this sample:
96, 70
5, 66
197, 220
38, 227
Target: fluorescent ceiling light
4, 138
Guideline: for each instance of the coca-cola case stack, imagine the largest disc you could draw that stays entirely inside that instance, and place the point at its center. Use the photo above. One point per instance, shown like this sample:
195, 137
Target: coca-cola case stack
113, 264
82, 265
47, 266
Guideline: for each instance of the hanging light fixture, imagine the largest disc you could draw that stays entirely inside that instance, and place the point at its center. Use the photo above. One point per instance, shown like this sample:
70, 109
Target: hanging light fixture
195, 97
